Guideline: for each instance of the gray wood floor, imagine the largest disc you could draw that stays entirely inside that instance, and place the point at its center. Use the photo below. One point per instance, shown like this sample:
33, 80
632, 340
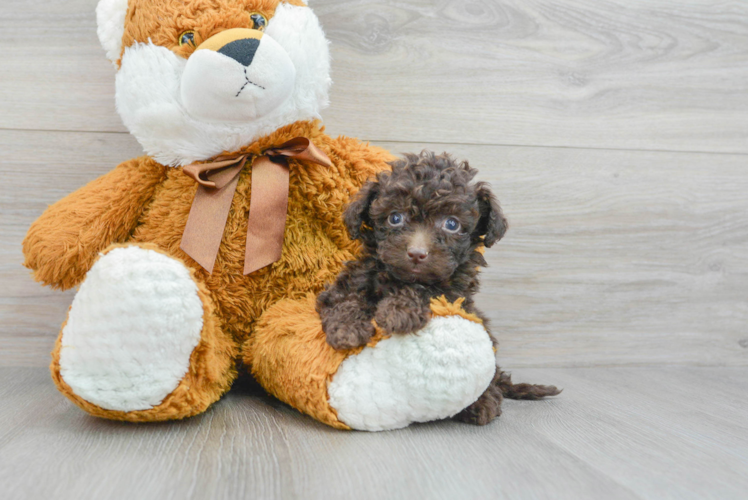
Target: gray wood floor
616, 136
617, 433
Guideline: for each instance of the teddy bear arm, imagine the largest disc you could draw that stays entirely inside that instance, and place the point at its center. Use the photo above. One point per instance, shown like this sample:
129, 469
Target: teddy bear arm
62, 244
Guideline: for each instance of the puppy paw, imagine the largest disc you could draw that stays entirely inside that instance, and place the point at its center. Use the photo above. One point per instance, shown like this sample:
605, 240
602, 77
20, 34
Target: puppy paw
483, 411
347, 324
401, 314
349, 336
401, 322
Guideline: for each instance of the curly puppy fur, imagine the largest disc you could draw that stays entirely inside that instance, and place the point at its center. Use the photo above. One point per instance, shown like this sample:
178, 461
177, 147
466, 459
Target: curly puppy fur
422, 226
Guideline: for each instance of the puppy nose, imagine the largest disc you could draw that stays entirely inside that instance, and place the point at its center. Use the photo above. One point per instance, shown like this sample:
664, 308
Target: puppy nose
418, 255
241, 51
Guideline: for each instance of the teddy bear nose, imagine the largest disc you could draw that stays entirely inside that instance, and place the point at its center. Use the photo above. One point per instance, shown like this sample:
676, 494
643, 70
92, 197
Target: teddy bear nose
418, 255
242, 51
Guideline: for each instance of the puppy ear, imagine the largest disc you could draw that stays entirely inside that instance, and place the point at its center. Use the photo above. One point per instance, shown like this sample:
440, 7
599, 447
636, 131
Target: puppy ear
357, 213
492, 224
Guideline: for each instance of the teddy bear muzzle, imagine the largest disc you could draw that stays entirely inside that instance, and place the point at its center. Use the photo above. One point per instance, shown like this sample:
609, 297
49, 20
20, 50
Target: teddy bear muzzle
237, 75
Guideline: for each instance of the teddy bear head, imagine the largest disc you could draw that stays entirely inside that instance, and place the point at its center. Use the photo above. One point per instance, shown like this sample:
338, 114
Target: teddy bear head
196, 78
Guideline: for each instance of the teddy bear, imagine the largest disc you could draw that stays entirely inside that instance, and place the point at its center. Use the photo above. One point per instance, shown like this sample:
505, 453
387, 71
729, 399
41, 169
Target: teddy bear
204, 257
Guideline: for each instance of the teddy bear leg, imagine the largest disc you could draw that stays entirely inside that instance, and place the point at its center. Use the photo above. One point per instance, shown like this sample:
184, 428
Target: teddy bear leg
387, 384
142, 341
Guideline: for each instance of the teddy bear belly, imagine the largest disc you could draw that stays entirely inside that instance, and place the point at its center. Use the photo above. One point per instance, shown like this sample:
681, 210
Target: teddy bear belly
430, 375
310, 257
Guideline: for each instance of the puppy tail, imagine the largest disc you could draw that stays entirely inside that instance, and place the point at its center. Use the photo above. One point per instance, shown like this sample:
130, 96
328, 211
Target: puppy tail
524, 391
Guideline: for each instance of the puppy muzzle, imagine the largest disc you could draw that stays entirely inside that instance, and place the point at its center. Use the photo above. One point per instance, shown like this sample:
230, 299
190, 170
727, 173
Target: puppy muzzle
237, 75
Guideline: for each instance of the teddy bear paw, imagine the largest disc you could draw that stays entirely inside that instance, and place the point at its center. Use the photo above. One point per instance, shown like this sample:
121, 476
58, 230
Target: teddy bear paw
430, 375
131, 330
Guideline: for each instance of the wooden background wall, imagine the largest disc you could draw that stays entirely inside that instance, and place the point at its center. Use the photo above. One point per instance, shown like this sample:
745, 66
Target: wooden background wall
615, 133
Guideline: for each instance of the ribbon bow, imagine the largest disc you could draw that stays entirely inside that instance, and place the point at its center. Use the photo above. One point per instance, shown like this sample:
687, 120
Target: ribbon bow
267, 208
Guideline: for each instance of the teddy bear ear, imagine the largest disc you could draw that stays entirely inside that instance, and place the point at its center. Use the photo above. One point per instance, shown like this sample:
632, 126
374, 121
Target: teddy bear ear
110, 18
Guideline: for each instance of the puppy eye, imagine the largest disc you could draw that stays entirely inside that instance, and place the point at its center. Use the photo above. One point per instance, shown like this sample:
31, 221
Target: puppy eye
258, 21
451, 225
396, 219
187, 38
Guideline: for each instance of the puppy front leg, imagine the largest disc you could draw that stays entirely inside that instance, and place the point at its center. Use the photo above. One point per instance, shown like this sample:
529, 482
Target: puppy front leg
404, 311
347, 324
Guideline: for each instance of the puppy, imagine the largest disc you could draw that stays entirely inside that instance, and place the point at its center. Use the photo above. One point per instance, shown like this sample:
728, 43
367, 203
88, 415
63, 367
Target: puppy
422, 227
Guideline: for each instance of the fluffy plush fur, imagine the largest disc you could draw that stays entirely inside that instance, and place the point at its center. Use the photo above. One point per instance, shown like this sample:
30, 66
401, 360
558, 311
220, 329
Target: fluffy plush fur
387, 384
143, 302
211, 364
110, 18
153, 66
136, 318
422, 226
414, 378
144, 203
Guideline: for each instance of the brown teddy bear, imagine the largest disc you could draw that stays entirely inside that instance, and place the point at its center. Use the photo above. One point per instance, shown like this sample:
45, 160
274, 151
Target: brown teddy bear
213, 247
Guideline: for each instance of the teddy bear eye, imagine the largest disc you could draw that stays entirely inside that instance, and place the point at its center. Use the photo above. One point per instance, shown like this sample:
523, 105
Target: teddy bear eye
187, 38
396, 219
451, 225
258, 21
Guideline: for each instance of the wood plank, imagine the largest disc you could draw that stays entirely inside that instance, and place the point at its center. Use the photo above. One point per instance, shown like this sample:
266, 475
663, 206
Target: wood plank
615, 257
612, 257
644, 74
646, 429
40, 168
614, 433
53, 73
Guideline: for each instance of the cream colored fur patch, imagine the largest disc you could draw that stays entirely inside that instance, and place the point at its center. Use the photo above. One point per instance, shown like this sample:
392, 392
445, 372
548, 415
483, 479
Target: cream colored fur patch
429, 375
149, 93
110, 20
131, 330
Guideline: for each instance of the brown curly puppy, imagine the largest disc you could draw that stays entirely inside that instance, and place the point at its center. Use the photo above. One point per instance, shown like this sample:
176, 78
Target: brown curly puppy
421, 226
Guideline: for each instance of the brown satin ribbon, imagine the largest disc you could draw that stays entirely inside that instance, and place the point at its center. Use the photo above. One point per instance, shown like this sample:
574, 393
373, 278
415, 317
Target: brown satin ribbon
267, 208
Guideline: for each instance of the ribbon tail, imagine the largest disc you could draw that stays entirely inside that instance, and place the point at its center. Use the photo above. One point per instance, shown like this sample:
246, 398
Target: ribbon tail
301, 148
267, 213
207, 221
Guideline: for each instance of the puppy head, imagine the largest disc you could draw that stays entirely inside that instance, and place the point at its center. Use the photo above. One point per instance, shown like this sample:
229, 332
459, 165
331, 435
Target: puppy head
425, 218
199, 77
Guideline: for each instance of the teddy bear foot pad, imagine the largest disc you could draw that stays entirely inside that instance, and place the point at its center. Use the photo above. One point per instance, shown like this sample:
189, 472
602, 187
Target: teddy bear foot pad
131, 330
430, 375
